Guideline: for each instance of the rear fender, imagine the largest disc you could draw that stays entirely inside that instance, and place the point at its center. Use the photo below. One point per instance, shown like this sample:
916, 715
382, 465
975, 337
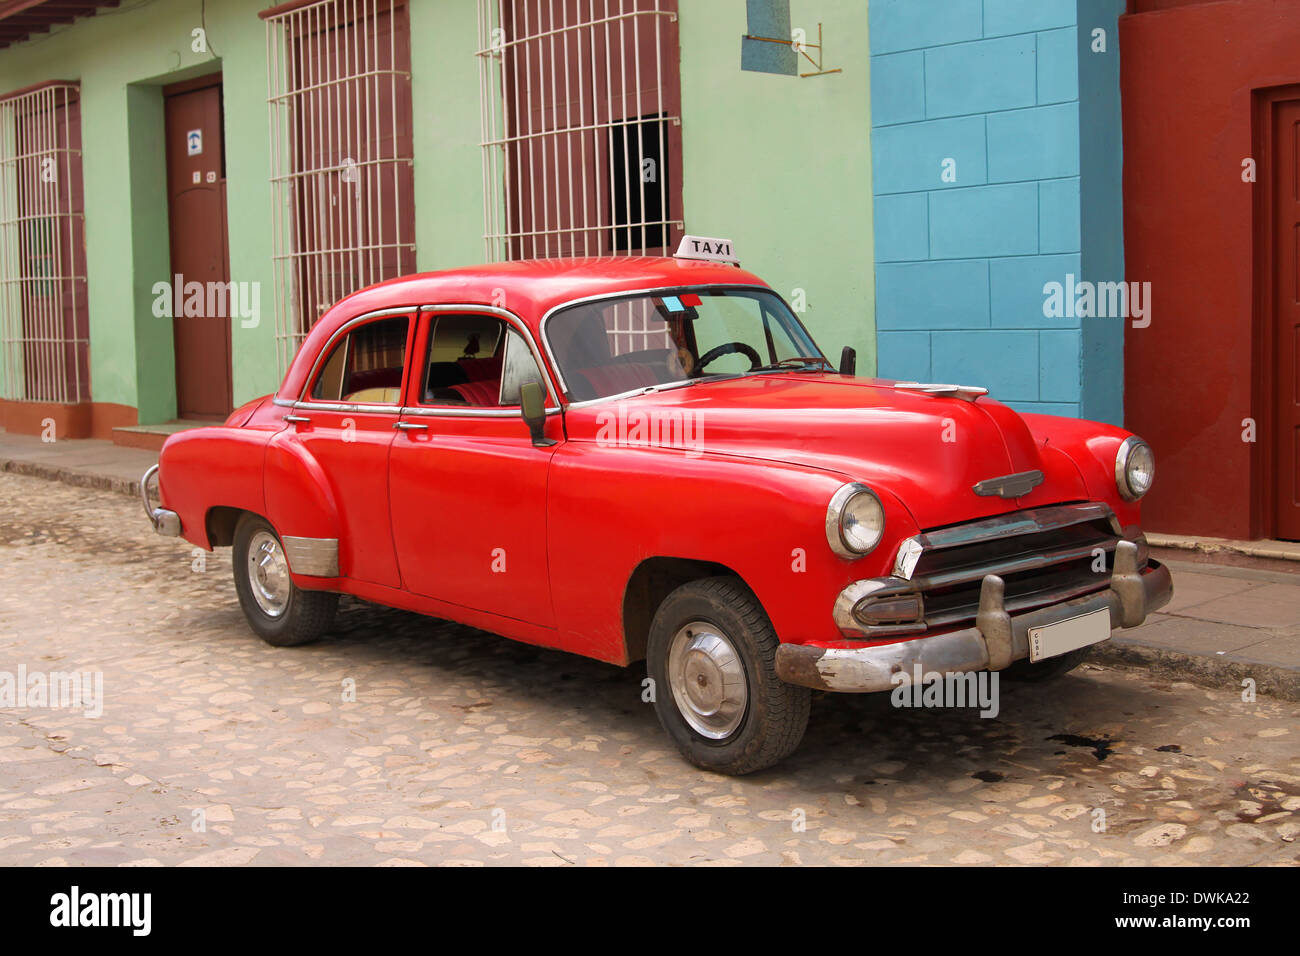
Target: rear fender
205, 468
299, 498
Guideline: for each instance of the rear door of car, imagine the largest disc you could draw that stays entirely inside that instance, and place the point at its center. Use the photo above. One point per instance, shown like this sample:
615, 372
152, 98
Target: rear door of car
467, 484
346, 421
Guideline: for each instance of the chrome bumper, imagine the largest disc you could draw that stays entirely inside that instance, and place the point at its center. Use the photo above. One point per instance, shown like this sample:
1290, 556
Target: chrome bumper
163, 521
995, 642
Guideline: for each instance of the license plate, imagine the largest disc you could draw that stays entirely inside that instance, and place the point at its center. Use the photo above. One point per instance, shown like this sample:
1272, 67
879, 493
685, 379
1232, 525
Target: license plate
1052, 640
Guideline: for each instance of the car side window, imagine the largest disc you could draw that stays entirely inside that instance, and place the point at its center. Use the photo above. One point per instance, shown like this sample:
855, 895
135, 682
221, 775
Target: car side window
465, 361
366, 365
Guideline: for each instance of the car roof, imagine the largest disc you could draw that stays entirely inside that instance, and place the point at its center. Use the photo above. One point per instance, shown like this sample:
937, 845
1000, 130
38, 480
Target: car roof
527, 287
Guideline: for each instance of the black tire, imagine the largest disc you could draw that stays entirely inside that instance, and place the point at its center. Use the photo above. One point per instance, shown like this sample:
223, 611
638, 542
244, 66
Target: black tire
1035, 672
775, 713
306, 616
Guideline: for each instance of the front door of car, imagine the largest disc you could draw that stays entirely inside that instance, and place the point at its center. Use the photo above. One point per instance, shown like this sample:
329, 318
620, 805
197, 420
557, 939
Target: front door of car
346, 422
467, 484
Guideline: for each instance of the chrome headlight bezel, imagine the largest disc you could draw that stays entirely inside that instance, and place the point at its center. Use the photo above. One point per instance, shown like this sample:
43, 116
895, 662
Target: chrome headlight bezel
1123, 459
844, 496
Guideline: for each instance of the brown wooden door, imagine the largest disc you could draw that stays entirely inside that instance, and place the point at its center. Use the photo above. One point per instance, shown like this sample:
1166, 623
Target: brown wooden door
1286, 299
196, 203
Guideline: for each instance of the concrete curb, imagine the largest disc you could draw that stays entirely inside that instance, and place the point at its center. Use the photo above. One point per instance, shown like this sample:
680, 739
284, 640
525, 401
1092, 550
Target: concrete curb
1216, 672
70, 476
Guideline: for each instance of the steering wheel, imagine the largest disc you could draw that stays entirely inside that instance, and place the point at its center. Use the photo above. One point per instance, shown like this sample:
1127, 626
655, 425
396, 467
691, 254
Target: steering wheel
726, 348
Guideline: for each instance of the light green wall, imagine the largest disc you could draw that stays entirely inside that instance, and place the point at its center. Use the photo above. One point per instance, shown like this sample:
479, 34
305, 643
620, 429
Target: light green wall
445, 120
782, 164
122, 60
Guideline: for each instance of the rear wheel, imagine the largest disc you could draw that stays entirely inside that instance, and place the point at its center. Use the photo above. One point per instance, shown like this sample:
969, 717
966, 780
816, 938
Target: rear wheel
1037, 671
711, 655
278, 611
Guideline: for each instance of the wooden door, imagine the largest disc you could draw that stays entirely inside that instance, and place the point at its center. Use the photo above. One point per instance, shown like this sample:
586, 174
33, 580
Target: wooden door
1286, 321
196, 207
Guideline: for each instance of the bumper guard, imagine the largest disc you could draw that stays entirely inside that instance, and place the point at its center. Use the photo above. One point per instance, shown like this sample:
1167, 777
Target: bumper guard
996, 641
164, 522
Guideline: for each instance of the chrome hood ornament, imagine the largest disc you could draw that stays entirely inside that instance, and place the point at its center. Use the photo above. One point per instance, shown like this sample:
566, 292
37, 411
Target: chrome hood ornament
967, 393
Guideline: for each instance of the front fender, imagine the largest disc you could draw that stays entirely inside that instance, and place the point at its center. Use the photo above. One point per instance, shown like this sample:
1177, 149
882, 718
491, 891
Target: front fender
611, 508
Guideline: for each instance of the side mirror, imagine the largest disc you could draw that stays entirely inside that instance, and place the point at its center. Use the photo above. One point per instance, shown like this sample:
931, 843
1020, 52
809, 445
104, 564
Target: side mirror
848, 361
532, 406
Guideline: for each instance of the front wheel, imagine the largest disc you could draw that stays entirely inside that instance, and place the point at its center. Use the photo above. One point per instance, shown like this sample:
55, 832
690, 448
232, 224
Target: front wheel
278, 611
711, 654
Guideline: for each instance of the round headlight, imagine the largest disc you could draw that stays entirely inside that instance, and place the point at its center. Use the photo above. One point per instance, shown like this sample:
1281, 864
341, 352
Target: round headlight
1135, 468
855, 521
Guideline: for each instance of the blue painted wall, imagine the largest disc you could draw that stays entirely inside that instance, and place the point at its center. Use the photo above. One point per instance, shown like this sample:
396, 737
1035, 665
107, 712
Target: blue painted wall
988, 91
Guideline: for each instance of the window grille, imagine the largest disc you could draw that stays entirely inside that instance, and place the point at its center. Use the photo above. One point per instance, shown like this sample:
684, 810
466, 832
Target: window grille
581, 118
339, 94
44, 326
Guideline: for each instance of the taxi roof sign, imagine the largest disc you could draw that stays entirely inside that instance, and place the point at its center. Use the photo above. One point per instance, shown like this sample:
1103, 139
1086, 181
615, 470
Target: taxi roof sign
705, 247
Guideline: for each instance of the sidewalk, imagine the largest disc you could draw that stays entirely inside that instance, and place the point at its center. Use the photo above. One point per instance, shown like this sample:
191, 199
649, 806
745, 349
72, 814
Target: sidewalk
89, 463
1225, 624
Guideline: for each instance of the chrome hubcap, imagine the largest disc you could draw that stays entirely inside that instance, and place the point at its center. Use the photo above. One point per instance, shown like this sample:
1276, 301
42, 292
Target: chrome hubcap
268, 574
708, 680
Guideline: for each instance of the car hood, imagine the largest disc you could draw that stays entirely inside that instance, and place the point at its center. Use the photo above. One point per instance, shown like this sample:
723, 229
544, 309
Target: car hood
929, 451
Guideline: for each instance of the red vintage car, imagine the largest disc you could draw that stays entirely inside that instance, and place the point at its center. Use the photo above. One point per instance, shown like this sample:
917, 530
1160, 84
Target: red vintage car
650, 459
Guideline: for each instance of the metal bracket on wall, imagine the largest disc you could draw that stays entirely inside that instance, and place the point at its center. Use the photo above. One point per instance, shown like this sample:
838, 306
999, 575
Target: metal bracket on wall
802, 48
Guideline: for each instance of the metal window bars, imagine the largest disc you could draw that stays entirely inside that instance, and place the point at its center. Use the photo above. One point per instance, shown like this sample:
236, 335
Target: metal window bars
339, 98
44, 325
581, 127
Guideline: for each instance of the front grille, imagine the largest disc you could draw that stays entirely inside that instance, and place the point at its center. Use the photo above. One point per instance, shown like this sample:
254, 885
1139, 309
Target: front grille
1043, 556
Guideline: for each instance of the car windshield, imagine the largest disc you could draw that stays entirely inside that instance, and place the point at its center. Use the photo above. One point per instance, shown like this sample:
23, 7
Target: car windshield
622, 344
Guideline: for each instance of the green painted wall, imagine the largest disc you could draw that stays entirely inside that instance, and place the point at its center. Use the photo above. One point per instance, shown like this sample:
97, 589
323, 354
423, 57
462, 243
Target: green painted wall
782, 165
445, 121
122, 59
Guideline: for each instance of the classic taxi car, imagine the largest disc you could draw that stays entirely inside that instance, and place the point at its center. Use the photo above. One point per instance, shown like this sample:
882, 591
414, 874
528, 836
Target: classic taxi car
650, 459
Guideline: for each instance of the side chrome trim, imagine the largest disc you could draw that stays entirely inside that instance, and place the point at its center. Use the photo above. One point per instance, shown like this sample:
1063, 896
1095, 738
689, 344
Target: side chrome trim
318, 557
346, 407
454, 411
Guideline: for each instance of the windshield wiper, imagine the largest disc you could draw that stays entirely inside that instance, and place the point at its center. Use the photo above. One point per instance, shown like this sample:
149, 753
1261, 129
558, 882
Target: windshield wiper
796, 362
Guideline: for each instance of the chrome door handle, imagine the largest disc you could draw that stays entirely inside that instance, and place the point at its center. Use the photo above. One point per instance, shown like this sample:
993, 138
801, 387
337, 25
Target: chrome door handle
296, 418
410, 426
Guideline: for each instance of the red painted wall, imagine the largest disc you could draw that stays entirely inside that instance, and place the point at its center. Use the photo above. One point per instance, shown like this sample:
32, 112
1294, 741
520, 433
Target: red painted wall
1188, 74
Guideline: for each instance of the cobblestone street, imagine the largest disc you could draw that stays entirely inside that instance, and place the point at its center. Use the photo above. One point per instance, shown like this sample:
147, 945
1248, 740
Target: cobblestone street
465, 748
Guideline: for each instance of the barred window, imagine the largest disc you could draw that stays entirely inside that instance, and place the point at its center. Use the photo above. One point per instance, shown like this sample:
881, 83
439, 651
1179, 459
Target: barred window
44, 326
339, 89
581, 119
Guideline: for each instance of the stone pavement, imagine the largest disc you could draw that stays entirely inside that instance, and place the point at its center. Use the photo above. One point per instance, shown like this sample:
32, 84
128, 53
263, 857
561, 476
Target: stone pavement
1225, 624
403, 740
